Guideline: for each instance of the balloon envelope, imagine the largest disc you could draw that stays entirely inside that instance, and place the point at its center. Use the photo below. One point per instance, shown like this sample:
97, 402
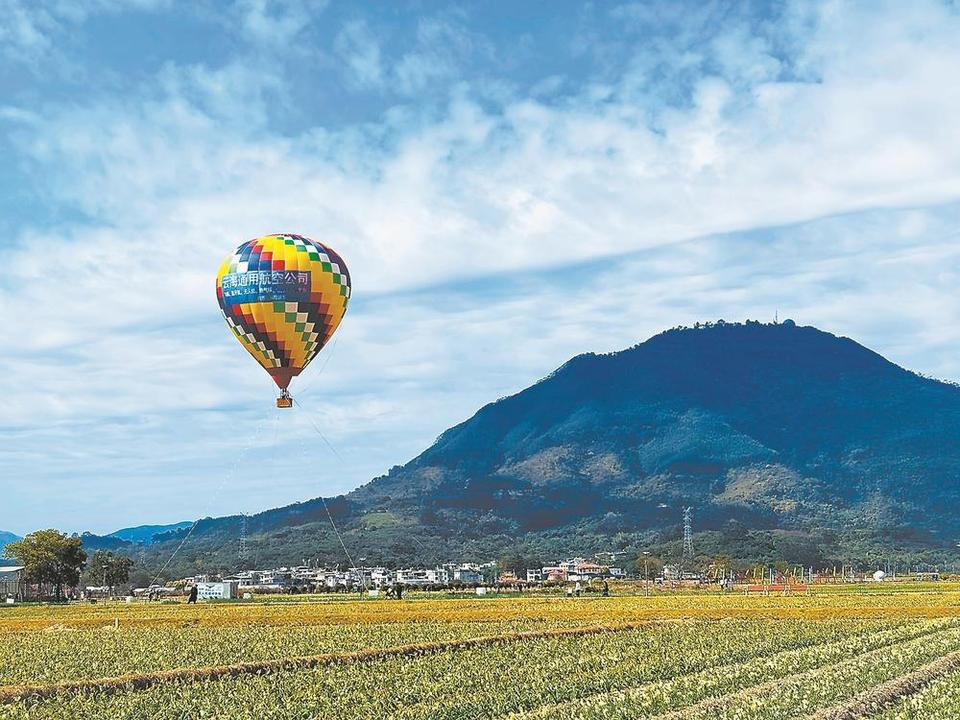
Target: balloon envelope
283, 296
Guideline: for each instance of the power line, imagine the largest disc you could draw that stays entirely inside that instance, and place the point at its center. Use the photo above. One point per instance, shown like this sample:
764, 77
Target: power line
243, 550
227, 478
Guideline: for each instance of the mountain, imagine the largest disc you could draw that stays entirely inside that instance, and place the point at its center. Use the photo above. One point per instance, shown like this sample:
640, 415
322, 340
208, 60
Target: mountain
92, 543
787, 442
5, 539
145, 533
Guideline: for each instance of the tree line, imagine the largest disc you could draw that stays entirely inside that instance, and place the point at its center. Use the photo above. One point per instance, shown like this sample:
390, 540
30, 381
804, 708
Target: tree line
55, 562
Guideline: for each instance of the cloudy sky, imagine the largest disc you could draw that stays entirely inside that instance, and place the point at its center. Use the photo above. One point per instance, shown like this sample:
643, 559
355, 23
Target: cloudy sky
510, 183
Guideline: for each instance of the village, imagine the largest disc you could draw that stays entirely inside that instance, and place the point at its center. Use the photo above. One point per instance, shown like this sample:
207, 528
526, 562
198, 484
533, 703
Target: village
575, 575
302, 579
578, 574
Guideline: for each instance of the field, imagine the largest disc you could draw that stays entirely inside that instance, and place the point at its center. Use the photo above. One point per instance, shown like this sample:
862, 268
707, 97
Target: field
887, 652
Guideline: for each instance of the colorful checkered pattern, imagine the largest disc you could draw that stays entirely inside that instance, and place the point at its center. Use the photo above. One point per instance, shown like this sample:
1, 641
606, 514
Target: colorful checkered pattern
283, 296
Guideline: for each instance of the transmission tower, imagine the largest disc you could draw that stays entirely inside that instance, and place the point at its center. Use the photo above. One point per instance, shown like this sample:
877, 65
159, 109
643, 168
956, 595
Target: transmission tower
243, 551
687, 535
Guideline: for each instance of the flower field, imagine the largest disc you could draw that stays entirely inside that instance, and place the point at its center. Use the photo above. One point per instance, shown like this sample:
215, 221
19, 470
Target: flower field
939, 699
831, 655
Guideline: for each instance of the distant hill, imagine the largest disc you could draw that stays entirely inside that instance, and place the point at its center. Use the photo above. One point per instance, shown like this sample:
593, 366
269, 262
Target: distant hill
789, 443
5, 539
92, 543
145, 533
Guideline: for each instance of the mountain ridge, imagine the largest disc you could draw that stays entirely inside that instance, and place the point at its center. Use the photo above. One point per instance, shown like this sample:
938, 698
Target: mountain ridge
146, 533
5, 539
790, 444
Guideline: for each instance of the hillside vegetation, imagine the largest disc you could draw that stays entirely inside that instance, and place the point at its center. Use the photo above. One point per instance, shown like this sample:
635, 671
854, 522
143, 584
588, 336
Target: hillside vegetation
789, 443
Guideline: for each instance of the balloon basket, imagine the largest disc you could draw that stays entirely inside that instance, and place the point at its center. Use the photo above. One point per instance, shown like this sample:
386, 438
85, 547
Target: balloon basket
284, 401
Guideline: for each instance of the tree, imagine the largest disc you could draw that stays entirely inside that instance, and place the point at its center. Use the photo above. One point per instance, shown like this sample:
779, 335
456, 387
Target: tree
49, 558
734, 530
513, 562
517, 562
109, 569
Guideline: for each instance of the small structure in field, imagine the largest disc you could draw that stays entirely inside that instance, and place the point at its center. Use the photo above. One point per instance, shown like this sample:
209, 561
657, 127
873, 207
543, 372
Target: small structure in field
12, 585
225, 590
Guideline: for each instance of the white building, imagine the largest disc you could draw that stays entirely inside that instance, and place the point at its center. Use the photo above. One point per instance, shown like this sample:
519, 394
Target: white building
422, 577
369, 577
302, 575
380, 577
468, 574
224, 590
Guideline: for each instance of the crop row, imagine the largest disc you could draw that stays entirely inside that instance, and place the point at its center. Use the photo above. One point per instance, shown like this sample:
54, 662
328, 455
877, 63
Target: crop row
41, 657
713, 687
940, 699
492, 681
530, 608
803, 694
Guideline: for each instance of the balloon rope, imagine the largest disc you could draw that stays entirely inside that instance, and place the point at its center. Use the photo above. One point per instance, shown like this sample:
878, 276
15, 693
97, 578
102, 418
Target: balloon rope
319, 432
322, 500
334, 451
216, 495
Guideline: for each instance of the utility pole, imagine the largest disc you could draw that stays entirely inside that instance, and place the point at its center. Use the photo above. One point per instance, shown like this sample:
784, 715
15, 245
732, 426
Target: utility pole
646, 574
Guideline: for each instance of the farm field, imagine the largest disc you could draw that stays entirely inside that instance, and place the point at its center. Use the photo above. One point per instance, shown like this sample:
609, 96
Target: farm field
848, 652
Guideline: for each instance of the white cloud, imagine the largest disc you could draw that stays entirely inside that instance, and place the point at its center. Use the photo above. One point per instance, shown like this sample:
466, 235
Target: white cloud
169, 409
31, 29
449, 190
441, 47
433, 57
277, 22
24, 32
839, 113
360, 49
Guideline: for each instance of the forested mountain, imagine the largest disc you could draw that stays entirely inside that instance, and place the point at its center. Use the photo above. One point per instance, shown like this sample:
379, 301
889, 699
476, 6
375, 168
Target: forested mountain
5, 539
145, 533
789, 443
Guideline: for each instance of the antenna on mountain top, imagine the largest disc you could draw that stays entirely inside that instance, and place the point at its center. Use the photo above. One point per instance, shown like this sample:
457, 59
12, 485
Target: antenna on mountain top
776, 317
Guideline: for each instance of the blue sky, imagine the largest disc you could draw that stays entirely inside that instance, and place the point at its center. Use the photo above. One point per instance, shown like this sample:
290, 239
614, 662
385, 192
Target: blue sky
510, 183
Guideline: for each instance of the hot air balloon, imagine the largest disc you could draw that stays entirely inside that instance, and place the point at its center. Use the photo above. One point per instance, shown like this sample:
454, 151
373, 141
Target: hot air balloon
283, 296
